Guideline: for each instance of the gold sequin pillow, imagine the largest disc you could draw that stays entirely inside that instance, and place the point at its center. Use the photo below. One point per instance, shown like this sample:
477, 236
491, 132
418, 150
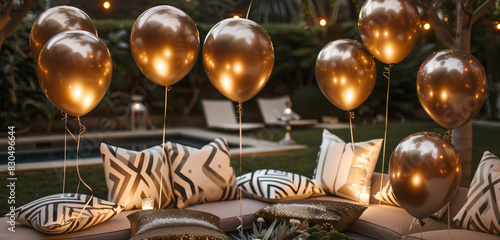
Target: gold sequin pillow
175, 224
331, 215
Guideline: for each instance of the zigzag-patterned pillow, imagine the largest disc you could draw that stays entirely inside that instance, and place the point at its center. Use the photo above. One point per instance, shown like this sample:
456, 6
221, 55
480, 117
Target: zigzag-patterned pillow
202, 175
481, 212
276, 186
64, 213
339, 171
132, 176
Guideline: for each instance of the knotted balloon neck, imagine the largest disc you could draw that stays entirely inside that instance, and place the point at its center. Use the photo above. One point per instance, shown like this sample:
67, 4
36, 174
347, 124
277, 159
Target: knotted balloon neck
447, 135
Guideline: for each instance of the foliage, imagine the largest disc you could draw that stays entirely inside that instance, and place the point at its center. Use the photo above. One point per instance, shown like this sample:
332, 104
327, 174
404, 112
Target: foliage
284, 11
316, 233
276, 231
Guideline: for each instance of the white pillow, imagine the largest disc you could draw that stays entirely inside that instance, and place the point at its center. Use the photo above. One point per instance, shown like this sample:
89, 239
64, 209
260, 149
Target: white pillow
276, 186
202, 175
60, 213
132, 176
481, 212
339, 171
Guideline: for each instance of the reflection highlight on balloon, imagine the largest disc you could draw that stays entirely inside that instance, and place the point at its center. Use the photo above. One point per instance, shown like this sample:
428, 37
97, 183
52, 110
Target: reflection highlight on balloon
56, 20
346, 74
424, 172
451, 87
74, 71
238, 57
389, 28
164, 42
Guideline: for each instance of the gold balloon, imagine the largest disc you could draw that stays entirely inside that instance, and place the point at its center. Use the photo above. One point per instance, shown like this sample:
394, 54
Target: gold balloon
56, 20
389, 28
424, 171
238, 56
346, 73
451, 86
74, 71
165, 44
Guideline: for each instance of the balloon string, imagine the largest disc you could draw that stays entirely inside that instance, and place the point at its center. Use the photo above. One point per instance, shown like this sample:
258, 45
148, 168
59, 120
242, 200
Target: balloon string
351, 116
164, 149
65, 143
447, 135
240, 114
449, 219
249, 6
387, 74
82, 130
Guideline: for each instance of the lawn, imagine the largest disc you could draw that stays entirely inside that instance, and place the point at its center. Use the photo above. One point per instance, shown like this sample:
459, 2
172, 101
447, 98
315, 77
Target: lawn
30, 186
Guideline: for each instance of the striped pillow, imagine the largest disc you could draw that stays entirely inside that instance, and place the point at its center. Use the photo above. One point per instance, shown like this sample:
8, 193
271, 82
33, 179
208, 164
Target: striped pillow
277, 186
60, 213
339, 171
481, 212
132, 176
202, 175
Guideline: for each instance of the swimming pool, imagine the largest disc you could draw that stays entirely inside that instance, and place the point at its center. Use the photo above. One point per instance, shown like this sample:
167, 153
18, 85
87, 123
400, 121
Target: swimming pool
50, 148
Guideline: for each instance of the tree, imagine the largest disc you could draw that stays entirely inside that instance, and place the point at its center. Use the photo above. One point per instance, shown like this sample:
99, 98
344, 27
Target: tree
12, 13
457, 35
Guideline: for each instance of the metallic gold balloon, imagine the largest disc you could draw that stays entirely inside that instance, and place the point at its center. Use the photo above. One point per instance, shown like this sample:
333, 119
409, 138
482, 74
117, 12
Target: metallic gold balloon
56, 20
389, 28
238, 56
451, 86
424, 171
74, 71
346, 73
165, 44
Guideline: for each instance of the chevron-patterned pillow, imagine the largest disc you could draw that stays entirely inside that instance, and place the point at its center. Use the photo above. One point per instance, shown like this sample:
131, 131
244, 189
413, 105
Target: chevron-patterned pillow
132, 176
481, 212
339, 171
65, 213
202, 175
276, 186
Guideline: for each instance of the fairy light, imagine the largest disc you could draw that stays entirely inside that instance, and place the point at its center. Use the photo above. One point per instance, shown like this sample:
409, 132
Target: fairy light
106, 5
427, 26
322, 22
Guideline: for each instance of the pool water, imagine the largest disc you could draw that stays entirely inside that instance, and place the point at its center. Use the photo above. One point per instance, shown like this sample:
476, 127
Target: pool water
50, 151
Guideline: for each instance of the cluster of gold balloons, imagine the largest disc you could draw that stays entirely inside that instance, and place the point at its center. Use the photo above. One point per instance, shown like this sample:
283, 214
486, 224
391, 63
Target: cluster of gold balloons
451, 85
73, 65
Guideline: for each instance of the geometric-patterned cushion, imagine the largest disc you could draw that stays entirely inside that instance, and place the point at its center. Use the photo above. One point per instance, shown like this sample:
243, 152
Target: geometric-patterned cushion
387, 195
276, 186
339, 171
481, 212
202, 175
65, 213
132, 176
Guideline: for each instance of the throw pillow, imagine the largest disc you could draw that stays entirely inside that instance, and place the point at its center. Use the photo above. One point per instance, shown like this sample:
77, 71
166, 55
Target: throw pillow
132, 176
331, 215
65, 213
481, 212
276, 186
340, 171
174, 224
202, 175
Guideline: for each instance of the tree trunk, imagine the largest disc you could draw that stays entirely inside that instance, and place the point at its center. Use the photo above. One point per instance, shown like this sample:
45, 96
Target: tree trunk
462, 136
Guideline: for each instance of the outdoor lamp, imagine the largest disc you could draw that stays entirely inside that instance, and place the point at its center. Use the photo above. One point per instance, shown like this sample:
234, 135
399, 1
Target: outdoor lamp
287, 116
138, 113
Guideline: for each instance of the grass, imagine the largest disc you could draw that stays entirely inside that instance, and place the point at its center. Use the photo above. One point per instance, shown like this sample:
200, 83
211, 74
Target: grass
31, 186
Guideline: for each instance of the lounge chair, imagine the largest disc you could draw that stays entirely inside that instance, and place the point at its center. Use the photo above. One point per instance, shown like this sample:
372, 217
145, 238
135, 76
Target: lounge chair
272, 108
220, 114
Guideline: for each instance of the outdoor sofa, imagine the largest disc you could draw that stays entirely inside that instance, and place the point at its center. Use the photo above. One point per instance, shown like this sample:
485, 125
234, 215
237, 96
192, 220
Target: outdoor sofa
379, 221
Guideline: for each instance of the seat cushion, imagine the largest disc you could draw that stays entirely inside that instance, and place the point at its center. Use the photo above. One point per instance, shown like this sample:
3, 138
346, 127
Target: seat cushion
456, 234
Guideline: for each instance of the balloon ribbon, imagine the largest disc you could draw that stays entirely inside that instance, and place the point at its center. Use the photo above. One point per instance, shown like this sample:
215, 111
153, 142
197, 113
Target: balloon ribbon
240, 114
65, 143
387, 74
351, 117
82, 130
164, 148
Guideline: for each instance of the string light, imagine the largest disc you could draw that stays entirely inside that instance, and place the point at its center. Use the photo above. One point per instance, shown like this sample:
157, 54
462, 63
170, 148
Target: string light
427, 26
322, 22
106, 5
